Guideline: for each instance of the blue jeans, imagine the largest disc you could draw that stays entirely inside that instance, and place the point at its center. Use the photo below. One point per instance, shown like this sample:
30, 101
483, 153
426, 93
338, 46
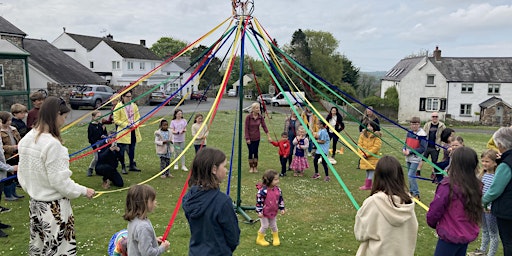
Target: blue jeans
444, 248
411, 174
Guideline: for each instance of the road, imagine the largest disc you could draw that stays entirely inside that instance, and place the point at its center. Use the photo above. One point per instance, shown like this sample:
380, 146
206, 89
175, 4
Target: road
190, 106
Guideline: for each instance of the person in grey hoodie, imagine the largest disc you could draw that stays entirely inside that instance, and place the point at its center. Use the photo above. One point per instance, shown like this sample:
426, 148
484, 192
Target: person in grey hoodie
210, 214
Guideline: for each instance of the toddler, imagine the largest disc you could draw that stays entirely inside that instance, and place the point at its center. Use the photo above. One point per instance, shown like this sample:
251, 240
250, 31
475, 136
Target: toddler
369, 147
269, 201
284, 151
301, 144
163, 141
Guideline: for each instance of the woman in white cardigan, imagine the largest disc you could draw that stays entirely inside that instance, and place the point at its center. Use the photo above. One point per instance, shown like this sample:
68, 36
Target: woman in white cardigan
44, 174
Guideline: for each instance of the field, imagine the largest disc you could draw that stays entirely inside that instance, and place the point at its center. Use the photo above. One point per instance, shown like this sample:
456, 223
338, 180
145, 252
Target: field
319, 218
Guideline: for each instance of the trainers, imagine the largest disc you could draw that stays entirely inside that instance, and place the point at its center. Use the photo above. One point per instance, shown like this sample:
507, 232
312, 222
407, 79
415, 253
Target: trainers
184, 168
11, 198
309, 153
123, 171
316, 176
176, 167
4, 226
89, 172
327, 178
477, 252
282, 174
3, 234
4, 209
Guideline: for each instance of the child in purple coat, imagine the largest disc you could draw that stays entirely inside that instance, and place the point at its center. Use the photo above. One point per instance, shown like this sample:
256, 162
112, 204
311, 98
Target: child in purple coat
456, 209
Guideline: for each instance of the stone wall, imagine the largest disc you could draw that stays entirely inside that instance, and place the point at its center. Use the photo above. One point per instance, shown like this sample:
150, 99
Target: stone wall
488, 116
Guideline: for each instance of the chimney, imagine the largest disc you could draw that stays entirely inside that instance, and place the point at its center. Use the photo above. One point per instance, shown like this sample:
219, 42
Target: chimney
143, 42
110, 37
437, 54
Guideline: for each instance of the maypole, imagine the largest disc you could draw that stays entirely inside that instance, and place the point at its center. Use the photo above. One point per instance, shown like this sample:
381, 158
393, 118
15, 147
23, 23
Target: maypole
242, 12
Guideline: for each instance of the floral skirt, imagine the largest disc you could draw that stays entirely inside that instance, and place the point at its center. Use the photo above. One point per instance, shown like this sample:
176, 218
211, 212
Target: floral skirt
299, 163
52, 230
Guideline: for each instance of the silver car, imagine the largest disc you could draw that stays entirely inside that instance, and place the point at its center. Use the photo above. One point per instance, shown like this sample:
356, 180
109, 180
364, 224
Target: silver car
93, 95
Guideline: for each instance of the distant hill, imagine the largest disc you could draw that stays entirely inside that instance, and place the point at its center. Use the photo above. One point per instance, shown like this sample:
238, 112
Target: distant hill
377, 74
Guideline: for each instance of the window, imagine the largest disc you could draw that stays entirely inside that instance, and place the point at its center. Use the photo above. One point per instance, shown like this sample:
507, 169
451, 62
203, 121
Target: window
493, 89
467, 88
465, 109
2, 84
91, 64
130, 65
142, 65
116, 65
430, 80
433, 104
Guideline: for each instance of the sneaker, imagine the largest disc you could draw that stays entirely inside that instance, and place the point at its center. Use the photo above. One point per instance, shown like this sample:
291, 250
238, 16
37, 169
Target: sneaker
4, 226
176, 167
4, 209
3, 234
309, 153
316, 176
184, 168
19, 196
123, 171
11, 198
295, 174
327, 178
163, 176
477, 252
282, 174
89, 172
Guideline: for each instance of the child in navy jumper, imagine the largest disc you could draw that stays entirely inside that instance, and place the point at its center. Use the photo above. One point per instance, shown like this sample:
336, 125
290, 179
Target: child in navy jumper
284, 151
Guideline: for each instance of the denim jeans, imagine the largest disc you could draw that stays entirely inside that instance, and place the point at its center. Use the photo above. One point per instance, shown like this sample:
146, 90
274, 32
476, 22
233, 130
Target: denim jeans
411, 176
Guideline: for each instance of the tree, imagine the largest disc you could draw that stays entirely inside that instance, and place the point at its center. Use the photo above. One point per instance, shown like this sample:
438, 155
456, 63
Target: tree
350, 73
367, 85
168, 46
212, 75
391, 97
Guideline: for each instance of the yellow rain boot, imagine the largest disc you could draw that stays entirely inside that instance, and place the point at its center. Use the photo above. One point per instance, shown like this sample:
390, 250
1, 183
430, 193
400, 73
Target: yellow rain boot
275, 237
260, 240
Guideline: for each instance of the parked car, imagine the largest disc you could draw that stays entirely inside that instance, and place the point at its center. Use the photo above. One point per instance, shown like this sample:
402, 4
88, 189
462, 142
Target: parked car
198, 96
232, 93
266, 97
158, 97
89, 95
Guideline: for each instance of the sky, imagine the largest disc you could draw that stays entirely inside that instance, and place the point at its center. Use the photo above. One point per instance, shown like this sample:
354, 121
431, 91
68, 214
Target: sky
373, 34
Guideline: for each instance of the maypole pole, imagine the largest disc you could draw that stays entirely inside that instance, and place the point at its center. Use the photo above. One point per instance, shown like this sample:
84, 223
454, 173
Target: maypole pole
242, 12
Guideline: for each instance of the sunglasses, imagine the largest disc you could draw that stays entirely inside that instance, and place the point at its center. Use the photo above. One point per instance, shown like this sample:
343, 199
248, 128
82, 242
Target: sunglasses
435, 116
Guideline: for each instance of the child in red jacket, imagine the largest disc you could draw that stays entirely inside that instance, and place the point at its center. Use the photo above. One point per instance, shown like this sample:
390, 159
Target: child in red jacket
284, 151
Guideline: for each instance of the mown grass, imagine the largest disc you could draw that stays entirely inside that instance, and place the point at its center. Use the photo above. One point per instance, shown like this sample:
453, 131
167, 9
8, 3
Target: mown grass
319, 218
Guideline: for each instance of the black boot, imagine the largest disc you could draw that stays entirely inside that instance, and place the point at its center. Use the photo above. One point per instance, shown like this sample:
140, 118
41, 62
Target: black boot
3, 234
123, 170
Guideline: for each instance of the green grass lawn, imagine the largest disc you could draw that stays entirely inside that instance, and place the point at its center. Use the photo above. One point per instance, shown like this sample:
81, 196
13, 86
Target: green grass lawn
319, 218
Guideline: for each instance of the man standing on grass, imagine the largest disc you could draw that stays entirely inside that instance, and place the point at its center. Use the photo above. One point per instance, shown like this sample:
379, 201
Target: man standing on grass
434, 128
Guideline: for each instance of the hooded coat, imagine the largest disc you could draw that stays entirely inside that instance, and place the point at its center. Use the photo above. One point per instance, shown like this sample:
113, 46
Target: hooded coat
384, 229
213, 222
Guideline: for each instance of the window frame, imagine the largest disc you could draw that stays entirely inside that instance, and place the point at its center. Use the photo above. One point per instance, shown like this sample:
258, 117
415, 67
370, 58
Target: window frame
467, 88
2, 76
433, 82
465, 109
129, 65
142, 65
493, 89
91, 64
116, 65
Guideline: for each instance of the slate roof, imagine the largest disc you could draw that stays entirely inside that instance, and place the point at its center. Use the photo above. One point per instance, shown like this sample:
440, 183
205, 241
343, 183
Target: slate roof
126, 50
183, 62
8, 28
58, 65
492, 101
477, 70
88, 42
132, 51
402, 68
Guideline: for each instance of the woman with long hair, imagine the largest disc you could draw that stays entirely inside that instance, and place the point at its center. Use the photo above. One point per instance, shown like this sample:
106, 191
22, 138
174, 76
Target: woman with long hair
44, 174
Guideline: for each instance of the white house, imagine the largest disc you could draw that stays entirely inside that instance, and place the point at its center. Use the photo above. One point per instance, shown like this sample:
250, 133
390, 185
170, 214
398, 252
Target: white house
118, 62
179, 71
453, 86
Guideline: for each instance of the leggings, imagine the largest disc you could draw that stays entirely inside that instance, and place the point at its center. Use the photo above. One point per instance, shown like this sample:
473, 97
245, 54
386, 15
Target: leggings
324, 164
178, 148
266, 223
490, 237
334, 142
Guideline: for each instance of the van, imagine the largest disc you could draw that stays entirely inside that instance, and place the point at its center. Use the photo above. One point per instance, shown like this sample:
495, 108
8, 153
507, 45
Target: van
280, 99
